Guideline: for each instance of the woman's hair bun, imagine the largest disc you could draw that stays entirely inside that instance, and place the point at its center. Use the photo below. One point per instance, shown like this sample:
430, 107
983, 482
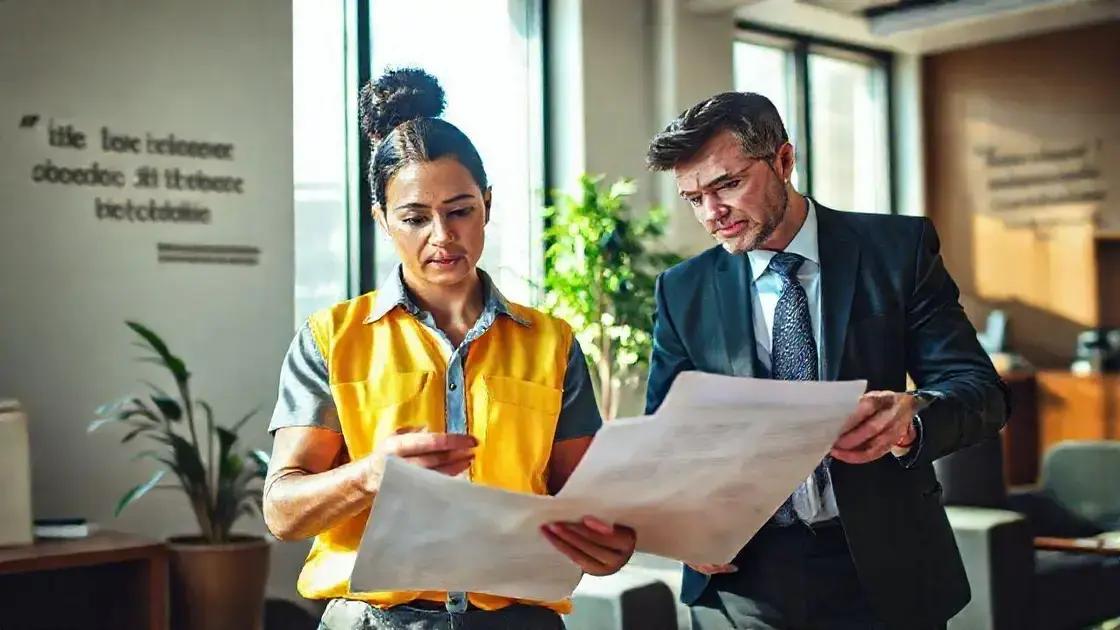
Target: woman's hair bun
398, 96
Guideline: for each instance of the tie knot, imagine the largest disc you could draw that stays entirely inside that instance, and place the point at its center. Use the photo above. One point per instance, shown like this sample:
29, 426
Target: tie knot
786, 264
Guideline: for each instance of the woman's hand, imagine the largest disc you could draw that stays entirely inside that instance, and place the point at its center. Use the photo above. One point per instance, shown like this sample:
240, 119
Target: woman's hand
311, 485
598, 548
448, 453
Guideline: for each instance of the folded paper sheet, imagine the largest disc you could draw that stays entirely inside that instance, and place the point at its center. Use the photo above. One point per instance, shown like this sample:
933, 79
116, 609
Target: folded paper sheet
696, 481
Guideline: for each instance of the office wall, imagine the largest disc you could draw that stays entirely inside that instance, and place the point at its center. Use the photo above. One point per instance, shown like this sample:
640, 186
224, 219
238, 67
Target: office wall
1023, 170
75, 262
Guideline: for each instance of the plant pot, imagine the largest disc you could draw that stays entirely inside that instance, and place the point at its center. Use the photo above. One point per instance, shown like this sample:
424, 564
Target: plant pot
217, 587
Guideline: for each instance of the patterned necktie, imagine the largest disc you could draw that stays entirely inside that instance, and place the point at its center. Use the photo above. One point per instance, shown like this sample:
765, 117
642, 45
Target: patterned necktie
793, 355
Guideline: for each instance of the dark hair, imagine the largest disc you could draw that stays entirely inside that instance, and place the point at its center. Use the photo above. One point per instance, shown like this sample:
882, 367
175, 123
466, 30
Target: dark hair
400, 115
751, 117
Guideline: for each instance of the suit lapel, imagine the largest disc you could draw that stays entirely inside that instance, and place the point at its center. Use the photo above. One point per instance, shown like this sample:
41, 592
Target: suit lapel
839, 251
732, 287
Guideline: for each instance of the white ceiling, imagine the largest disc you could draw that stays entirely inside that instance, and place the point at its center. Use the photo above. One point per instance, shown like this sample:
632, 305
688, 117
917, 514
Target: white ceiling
921, 29
851, 6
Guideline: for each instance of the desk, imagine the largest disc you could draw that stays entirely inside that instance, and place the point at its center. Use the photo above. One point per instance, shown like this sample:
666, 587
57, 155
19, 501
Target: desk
1096, 546
1077, 407
106, 581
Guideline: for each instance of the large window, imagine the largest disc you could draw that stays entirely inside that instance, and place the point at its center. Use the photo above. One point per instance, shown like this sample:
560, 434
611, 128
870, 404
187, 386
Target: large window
835, 101
320, 142
487, 57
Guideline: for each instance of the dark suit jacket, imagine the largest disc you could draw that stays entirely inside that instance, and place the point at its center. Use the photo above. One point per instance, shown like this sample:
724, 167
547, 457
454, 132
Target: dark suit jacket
889, 309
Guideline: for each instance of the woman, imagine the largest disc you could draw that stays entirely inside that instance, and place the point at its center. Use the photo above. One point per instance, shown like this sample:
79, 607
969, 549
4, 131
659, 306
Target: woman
437, 368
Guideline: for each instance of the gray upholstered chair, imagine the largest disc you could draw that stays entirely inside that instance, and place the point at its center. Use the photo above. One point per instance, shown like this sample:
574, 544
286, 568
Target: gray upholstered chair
1083, 477
1014, 585
642, 596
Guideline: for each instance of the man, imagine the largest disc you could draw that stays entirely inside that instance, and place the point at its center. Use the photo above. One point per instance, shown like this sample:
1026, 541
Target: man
797, 291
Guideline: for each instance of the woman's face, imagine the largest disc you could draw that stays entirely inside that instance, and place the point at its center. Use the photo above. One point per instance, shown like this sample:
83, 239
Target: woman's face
436, 216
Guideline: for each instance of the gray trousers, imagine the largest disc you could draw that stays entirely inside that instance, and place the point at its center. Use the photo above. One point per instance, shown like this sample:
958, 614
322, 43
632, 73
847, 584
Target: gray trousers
342, 614
789, 578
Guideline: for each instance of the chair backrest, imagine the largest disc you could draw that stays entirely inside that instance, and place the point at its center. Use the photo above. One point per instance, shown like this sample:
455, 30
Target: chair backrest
973, 476
1084, 477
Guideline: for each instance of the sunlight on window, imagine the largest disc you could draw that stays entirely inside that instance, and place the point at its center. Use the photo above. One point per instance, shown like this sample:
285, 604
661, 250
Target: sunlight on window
319, 167
768, 70
837, 118
486, 56
848, 104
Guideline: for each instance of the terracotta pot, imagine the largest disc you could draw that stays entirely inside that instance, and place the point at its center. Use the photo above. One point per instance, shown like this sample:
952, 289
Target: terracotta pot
217, 587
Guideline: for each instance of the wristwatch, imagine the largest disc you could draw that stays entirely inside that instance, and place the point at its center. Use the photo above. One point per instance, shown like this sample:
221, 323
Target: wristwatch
924, 398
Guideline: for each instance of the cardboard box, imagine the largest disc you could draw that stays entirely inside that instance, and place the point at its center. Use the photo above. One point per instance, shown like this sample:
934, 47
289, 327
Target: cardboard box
15, 470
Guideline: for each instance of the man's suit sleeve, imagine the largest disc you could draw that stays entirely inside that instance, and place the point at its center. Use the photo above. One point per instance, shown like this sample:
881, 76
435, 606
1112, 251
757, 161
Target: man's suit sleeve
668, 357
944, 357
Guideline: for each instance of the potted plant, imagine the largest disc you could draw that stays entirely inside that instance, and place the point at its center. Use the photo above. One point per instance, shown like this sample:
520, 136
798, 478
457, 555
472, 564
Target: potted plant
600, 272
217, 577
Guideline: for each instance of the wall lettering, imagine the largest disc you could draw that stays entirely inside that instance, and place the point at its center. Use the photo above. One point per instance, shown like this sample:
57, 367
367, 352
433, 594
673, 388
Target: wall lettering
1045, 187
110, 183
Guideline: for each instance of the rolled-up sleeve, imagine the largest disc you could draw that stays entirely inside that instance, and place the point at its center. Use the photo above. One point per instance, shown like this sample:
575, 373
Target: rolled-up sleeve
304, 399
579, 414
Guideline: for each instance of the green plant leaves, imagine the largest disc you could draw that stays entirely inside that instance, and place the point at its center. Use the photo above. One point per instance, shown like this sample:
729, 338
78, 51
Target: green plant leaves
127, 416
114, 407
600, 276
596, 252
168, 407
138, 491
133, 433
173, 363
262, 459
187, 461
156, 456
100, 422
229, 465
219, 490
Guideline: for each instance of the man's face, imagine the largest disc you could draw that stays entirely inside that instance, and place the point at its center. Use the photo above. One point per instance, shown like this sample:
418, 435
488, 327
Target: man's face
740, 200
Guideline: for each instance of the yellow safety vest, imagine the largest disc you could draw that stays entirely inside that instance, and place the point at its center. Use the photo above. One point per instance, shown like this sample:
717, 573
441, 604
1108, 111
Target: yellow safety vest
390, 373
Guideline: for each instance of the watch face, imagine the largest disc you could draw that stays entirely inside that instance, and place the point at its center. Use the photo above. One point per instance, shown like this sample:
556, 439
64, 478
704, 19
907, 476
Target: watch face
923, 399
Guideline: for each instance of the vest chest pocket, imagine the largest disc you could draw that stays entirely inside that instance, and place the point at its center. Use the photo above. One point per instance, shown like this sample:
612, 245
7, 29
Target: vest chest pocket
370, 410
516, 429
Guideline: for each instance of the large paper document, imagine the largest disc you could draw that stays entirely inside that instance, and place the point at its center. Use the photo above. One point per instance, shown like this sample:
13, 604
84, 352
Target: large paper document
696, 481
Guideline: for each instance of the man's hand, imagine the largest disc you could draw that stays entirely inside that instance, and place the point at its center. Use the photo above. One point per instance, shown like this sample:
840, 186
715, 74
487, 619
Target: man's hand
713, 569
447, 453
882, 420
598, 548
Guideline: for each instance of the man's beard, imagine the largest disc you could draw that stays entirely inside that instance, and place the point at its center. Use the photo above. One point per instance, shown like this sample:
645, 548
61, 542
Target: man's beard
768, 228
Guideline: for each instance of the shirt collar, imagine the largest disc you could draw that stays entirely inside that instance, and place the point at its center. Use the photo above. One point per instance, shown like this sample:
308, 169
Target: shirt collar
804, 244
393, 293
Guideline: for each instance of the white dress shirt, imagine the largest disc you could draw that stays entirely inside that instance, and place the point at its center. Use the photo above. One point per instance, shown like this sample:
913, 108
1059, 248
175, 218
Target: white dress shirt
811, 505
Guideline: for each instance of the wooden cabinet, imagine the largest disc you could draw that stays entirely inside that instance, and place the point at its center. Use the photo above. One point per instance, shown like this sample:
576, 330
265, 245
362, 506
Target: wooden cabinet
106, 581
1077, 407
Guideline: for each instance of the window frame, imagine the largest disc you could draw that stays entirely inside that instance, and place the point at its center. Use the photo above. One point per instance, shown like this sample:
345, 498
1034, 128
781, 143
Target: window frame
365, 275
801, 46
